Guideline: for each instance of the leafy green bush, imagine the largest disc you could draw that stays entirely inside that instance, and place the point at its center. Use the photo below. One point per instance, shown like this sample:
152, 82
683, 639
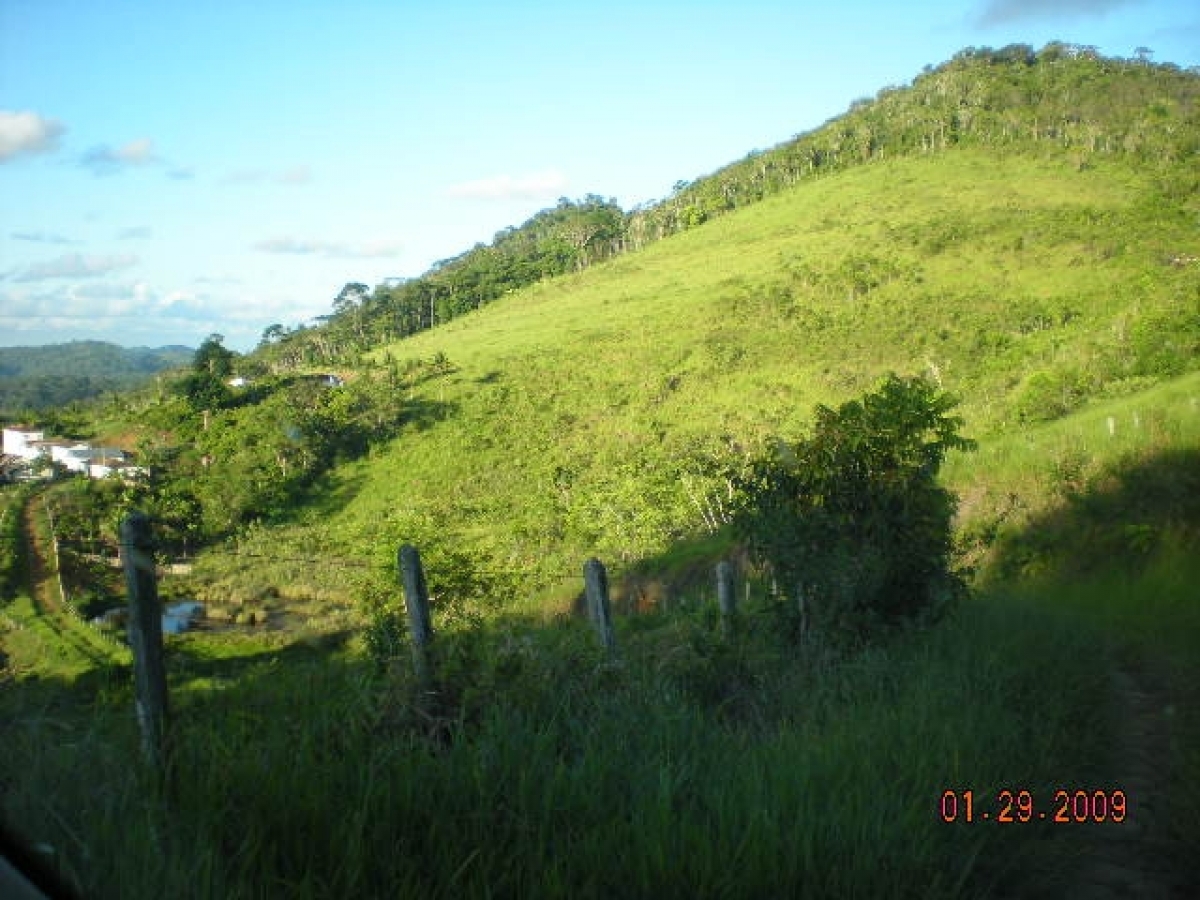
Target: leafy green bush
852, 517
11, 561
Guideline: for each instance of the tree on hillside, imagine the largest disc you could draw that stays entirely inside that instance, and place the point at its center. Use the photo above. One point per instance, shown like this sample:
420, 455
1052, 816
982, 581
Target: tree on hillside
852, 517
204, 386
272, 334
213, 357
351, 296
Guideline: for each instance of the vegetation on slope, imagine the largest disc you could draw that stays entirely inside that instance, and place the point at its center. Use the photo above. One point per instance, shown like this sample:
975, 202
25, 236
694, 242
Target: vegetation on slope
1063, 101
599, 414
724, 766
36, 379
606, 412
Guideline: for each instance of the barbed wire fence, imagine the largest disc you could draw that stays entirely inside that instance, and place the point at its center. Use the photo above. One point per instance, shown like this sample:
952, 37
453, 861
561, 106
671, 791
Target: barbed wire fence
115, 646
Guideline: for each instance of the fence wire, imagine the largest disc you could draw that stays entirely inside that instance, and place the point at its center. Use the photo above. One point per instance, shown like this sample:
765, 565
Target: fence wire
538, 576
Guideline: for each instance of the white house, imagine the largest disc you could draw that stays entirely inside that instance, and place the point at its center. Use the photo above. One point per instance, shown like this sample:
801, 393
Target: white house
116, 468
96, 462
18, 440
75, 457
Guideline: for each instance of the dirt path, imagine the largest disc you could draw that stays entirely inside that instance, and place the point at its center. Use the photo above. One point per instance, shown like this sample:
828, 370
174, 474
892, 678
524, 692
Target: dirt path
1132, 859
42, 587
73, 636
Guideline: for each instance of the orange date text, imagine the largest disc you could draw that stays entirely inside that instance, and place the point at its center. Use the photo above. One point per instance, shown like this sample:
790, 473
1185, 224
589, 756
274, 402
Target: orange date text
1019, 806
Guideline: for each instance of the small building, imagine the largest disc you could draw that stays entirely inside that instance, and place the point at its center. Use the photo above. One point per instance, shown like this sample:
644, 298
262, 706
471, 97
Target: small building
19, 441
115, 468
27, 444
74, 457
81, 457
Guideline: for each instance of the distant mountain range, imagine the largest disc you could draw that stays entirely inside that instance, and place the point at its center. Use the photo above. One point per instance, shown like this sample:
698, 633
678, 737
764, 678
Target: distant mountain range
38, 378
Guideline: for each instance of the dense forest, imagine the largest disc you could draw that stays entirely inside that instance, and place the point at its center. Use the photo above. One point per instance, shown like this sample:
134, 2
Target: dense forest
1063, 97
41, 378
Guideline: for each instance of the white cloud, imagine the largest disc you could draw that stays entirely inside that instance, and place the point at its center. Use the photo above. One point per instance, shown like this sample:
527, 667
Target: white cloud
105, 160
294, 246
136, 313
105, 290
548, 184
136, 152
297, 246
135, 232
27, 133
73, 265
1004, 12
295, 175
378, 249
77, 302
41, 237
105, 302
186, 304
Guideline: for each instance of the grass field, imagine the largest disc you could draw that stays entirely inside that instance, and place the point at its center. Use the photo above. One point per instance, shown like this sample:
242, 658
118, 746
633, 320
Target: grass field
581, 411
697, 763
717, 770
581, 418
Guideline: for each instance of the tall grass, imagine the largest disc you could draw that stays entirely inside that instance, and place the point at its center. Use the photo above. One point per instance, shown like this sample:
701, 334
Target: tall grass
746, 768
584, 405
698, 763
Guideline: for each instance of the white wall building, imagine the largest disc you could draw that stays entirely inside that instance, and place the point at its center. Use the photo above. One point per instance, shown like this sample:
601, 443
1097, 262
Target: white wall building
74, 458
18, 441
96, 462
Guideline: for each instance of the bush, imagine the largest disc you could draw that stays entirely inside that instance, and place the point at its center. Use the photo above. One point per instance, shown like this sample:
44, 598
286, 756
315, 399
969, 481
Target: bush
384, 636
853, 518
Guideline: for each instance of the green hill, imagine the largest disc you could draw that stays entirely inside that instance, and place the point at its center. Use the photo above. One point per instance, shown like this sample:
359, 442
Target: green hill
586, 414
1063, 101
1020, 227
40, 378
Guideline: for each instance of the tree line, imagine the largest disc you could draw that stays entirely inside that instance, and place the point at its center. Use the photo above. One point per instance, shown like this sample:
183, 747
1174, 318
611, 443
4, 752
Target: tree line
37, 379
1064, 96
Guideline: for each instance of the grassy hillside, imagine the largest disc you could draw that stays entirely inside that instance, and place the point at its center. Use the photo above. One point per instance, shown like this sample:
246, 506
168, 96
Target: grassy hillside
597, 414
584, 414
704, 765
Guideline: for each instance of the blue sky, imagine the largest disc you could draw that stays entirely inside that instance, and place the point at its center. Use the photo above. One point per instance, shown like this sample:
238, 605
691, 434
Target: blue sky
172, 169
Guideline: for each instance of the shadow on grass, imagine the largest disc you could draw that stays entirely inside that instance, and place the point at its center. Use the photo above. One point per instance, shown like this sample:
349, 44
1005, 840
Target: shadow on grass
191, 658
1122, 552
1121, 519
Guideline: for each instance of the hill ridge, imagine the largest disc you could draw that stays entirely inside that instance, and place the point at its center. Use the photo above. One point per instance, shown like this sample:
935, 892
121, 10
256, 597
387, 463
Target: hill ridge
1061, 98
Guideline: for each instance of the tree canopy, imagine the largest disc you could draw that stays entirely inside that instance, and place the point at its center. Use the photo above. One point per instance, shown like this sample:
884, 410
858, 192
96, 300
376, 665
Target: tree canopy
1015, 99
852, 517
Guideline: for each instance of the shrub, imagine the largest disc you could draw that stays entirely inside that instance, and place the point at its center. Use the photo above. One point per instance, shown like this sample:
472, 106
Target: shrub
853, 517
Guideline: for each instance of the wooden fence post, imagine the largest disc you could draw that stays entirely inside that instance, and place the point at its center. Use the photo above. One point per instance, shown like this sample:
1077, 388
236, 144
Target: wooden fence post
595, 582
416, 601
726, 599
145, 635
802, 609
